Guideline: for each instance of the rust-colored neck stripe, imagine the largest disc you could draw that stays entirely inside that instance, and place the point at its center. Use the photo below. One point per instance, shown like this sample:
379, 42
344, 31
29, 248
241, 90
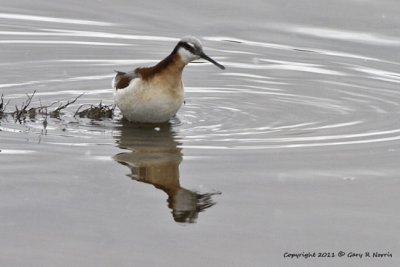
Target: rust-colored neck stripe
171, 61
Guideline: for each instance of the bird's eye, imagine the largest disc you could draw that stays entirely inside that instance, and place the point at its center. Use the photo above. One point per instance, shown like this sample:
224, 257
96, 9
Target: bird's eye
191, 45
188, 46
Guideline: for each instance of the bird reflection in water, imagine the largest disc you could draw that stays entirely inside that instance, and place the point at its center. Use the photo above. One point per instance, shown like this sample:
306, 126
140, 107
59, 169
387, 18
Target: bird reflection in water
154, 158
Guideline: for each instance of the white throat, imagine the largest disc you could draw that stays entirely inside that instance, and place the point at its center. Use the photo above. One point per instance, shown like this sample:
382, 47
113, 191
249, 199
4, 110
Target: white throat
186, 55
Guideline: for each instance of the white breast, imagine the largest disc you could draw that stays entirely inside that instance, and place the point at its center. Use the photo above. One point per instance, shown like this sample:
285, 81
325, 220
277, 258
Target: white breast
146, 102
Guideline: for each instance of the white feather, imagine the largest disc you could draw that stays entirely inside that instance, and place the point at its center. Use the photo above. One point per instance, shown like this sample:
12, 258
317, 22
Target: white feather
142, 102
186, 55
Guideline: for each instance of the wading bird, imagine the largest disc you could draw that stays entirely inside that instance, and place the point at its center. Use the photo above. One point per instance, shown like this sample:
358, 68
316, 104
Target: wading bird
154, 94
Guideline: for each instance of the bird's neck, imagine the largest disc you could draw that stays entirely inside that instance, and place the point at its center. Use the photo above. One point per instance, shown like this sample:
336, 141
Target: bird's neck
172, 65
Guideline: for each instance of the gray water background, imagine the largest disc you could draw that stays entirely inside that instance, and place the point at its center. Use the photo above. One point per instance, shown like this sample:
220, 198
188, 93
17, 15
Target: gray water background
293, 148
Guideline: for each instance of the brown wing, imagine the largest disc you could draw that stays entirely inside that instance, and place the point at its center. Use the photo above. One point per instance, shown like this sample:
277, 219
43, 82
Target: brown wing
123, 79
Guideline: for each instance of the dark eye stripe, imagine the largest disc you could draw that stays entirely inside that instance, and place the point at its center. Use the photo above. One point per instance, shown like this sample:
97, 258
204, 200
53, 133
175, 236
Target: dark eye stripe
187, 46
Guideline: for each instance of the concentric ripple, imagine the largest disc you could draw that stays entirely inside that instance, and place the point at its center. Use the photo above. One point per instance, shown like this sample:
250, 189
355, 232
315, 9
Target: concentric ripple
284, 120
291, 104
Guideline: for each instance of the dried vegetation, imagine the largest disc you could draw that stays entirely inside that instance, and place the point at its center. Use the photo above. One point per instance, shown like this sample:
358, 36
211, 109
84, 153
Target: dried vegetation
26, 110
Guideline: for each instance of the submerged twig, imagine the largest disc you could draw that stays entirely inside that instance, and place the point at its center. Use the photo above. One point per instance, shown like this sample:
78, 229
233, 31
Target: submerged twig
56, 113
3, 106
19, 114
96, 112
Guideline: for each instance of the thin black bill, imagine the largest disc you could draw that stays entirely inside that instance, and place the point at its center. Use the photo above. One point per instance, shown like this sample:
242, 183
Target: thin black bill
203, 55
